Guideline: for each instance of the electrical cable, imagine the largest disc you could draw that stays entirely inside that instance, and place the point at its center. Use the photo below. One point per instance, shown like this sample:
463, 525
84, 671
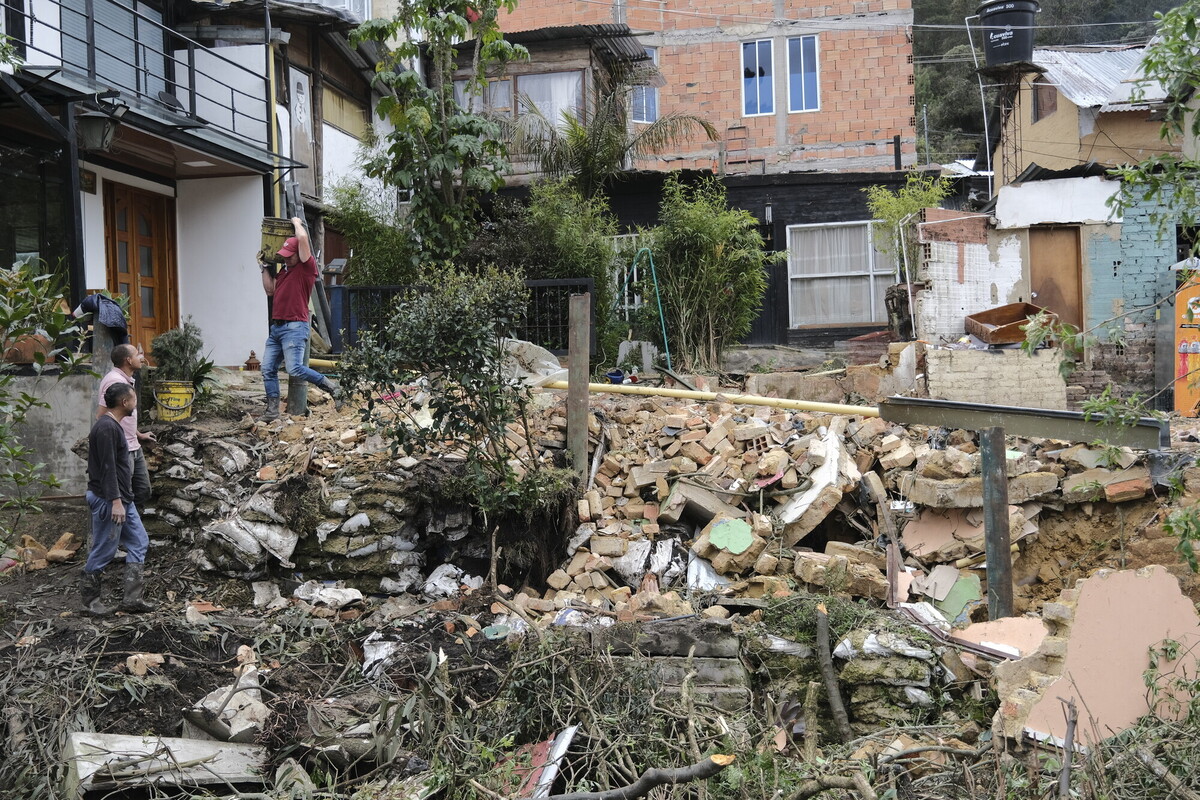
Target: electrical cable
854, 25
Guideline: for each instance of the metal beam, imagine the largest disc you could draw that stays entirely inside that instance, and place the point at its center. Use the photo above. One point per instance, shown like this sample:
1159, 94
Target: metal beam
1145, 434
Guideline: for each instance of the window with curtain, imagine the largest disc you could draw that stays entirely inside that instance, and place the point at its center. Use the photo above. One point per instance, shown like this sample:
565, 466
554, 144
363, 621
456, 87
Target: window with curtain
836, 276
802, 74
551, 93
496, 98
644, 100
758, 84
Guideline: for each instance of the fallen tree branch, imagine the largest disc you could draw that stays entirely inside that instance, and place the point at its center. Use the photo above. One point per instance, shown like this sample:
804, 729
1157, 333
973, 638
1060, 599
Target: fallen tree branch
823, 783
825, 659
656, 776
1165, 775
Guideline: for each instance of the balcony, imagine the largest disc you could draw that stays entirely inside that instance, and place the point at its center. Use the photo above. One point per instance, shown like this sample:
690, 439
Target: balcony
124, 46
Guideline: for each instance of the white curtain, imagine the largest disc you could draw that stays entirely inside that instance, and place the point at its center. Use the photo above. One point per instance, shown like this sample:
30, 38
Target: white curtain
830, 271
552, 93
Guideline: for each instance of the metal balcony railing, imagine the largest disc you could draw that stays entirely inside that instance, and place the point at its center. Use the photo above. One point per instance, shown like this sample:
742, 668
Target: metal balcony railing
125, 46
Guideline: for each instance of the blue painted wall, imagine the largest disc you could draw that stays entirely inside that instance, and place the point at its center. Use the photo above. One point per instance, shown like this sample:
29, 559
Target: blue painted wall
1133, 268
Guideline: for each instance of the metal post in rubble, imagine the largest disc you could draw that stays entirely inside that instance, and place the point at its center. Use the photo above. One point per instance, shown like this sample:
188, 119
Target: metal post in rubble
994, 463
577, 383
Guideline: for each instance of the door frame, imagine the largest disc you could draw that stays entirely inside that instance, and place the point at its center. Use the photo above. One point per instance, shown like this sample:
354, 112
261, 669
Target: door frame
167, 298
1079, 285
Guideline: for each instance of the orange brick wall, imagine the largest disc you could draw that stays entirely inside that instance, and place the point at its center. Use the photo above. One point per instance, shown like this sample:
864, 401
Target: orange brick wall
865, 76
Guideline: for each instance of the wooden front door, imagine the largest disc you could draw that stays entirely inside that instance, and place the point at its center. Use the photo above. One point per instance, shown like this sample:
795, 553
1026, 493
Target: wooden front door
1055, 272
140, 242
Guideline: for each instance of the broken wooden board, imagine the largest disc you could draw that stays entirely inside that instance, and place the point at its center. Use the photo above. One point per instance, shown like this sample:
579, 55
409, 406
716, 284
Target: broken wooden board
104, 761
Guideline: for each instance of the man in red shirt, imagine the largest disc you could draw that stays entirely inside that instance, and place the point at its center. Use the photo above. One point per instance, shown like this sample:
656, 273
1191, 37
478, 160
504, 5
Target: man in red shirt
290, 289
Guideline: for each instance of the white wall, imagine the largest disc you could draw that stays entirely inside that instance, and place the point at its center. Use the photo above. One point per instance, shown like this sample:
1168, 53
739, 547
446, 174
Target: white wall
94, 258
219, 230
338, 153
1067, 200
230, 88
991, 275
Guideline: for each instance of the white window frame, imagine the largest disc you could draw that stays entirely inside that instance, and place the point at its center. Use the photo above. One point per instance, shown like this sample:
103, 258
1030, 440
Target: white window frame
742, 75
645, 91
878, 314
817, 56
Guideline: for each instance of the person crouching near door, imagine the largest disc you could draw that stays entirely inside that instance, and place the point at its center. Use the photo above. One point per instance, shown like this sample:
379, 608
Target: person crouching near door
287, 338
115, 518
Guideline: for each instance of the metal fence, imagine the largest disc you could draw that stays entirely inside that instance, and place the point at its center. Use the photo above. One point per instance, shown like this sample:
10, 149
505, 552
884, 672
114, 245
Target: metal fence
546, 322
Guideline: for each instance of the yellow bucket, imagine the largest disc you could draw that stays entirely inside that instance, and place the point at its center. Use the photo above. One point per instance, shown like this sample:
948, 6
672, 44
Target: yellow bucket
275, 232
174, 400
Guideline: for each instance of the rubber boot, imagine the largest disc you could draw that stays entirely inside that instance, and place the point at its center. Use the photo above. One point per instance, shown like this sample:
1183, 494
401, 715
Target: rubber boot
90, 586
335, 392
272, 411
134, 586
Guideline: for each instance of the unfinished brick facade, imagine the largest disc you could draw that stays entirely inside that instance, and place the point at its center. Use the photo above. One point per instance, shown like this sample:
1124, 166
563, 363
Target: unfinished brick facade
863, 65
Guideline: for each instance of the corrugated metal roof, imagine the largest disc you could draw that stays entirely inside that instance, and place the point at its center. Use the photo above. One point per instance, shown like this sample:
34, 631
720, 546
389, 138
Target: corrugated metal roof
616, 41
1097, 77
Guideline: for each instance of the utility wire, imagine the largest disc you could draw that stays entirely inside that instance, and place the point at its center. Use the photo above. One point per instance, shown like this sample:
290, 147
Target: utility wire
844, 23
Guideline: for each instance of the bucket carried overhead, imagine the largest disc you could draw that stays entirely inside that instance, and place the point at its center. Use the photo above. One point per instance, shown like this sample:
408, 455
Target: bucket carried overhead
1007, 30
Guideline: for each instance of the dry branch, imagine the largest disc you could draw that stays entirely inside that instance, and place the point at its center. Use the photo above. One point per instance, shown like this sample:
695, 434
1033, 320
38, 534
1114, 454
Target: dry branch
1161, 771
814, 787
825, 659
654, 777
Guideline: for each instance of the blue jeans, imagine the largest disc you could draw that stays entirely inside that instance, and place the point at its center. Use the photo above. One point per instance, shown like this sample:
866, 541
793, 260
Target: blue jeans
107, 536
286, 341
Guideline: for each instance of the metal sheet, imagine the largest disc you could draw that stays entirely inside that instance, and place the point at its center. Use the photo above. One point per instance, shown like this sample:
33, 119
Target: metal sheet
1070, 426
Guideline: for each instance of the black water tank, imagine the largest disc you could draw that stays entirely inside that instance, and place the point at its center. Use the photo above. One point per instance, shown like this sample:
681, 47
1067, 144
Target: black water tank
1007, 30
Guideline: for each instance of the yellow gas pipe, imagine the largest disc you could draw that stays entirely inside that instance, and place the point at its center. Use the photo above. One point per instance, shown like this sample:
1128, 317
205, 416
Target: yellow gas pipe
738, 399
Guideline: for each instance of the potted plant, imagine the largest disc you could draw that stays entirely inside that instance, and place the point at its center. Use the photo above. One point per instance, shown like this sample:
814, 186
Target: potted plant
34, 313
181, 372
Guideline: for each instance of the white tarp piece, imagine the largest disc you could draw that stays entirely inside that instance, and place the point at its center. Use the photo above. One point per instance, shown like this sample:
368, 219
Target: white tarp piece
1079, 201
528, 362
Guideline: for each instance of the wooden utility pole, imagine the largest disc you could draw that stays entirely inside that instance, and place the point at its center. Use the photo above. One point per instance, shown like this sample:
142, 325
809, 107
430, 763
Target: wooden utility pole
577, 383
994, 462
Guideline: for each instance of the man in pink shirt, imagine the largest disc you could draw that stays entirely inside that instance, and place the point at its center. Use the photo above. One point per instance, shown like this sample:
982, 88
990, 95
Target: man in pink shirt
126, 361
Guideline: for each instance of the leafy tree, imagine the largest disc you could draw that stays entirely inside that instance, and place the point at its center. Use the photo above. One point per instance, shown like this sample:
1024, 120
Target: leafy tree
896, 213
375, 224
591, 150
1169, 180
32, 304
710, 263
443, 155
8, 53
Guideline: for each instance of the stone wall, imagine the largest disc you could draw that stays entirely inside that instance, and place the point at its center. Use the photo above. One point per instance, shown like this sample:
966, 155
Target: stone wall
996, 377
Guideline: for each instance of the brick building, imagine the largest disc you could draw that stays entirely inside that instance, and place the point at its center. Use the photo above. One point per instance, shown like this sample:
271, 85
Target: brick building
789, 85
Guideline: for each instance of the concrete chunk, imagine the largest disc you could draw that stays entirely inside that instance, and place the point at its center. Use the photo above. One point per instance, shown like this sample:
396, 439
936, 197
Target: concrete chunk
1097, 654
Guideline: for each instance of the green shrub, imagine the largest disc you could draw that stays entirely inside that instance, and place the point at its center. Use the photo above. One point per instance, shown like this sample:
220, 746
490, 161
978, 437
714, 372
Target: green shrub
711, 271
379, 237
177, 357
433, 381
